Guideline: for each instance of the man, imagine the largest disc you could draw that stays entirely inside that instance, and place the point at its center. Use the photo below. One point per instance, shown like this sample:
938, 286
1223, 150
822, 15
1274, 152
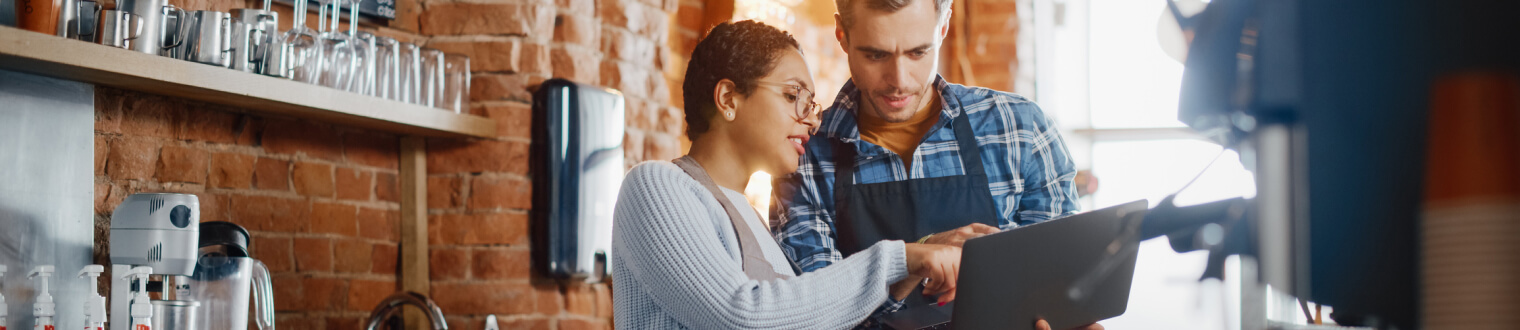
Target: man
903, 155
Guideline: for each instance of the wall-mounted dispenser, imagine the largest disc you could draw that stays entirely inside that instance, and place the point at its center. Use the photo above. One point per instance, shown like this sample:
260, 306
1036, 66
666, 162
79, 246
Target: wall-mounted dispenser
577, 169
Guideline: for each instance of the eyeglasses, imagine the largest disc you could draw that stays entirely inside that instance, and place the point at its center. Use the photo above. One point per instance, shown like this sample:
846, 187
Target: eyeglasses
802, 97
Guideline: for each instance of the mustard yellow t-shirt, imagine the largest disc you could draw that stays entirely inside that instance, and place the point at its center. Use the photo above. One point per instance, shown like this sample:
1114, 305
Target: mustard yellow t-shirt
901, 138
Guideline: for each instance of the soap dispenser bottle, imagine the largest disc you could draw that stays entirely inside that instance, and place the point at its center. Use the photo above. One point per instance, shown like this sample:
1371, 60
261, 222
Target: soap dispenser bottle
142, 308
94, 307
43, 309
3, 307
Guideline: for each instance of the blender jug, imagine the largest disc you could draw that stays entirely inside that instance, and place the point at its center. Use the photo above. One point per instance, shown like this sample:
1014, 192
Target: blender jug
223, 286
225, 278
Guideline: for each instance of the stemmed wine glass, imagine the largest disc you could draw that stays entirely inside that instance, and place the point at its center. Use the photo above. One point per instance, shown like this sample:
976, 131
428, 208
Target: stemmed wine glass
301, 53
364, 54
338, 51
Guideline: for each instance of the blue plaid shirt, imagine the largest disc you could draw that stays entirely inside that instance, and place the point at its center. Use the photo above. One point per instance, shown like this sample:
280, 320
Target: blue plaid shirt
1028, 167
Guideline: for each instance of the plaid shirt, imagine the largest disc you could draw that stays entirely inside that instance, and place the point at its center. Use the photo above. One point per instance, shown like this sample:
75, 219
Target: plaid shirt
1028, 167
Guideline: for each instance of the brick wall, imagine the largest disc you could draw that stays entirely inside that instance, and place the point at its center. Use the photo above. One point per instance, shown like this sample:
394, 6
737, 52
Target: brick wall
321, 200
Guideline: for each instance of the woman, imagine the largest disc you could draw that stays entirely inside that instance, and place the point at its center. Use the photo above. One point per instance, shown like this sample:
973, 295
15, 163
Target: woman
688, 251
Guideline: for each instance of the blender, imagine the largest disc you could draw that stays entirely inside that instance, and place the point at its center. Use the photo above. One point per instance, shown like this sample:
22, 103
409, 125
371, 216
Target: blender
157, 232
225, 278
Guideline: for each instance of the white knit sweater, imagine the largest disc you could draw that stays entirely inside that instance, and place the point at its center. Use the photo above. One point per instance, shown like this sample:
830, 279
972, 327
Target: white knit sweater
676, 264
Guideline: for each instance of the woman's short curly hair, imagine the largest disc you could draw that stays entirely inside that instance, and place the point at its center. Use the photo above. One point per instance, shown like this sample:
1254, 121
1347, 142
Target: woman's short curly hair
741, 52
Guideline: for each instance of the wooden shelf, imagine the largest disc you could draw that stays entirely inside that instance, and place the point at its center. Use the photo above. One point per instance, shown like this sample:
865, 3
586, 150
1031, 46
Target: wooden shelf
47, 55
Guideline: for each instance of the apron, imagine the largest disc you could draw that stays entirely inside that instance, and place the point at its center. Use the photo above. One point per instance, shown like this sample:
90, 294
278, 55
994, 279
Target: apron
751, 258
911, 209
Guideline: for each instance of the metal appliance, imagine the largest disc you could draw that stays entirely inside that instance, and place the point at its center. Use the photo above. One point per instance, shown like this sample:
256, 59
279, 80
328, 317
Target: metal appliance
254, 31
119, 28
152, 12
578, 155
206, 38
157, 230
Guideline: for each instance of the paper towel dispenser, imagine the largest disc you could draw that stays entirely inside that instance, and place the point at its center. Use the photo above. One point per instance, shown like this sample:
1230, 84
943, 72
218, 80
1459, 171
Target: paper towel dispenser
577, 169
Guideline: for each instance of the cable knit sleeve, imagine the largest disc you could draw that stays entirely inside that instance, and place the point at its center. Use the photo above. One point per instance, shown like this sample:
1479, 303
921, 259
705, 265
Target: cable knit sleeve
664, 239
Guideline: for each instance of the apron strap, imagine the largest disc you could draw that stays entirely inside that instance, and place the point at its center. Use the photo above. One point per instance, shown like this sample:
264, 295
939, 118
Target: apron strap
753, 261
965, 139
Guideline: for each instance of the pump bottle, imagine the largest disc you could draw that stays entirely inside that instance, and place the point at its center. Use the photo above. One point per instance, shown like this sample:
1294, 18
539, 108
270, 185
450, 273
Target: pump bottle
44, 309
94, 307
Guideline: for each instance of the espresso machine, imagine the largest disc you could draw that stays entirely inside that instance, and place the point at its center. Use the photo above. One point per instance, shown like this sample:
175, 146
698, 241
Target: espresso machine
158, 231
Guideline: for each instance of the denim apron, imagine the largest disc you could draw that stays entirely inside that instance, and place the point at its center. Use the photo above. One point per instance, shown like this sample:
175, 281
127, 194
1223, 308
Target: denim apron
914, 208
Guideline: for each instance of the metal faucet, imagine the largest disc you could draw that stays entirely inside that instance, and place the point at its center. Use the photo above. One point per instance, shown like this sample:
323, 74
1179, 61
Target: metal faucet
393, 304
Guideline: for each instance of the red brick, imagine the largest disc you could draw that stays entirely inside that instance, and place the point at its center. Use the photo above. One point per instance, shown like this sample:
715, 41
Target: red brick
102, 191
641, 115
661, 147
265, 213
610, 75
353, 256
132, 158
461, 156
672, 120
577, 64
288, 293
104, 205
478, 229
500, 264
108, 105
444, 192
387, 188
525, 323
493, 56
466, 298
349, 322
583, 324
690, 16
251, 131
633, 147
274, 252
618, 44
354, 184
364, 295
580, 299
491, 193
446, 263
656, 24
512, 119
302, 138
181, 164
379, 224
504, 87
102, 149
603, 300
315, 254
615, 12
372, 149
332, 218
151, 115
210, 124
574, 29
384, 258
229, 170
632, 79
324, 294
301, 322
549, 298
313, 179
534, 59
271, 174
455, 18
586, 8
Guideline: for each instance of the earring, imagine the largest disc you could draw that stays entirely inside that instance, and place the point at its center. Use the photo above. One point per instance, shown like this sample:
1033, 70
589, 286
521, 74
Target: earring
729, 115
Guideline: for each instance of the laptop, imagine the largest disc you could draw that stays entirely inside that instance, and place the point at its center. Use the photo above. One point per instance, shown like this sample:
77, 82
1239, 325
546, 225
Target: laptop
1070, 271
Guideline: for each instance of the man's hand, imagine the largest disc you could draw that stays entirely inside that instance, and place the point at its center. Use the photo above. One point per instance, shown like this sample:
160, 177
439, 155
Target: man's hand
1042, 325
957, 237
940, 263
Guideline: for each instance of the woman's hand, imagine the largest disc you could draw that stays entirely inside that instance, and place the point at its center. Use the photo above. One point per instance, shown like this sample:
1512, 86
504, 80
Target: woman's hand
940, 263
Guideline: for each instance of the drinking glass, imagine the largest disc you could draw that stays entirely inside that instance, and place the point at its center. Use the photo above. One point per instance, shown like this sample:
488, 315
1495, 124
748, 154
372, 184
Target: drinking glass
432, 78
364, 54
387, 68
411, 74
302, 53
456, 82
338, 51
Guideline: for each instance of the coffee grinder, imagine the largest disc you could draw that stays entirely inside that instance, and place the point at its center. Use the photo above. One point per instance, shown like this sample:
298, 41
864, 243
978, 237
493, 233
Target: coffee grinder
161, 231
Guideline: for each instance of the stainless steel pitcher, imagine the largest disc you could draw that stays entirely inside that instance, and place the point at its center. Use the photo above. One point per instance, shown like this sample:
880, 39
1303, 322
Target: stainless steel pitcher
207, 38
152, 12
119, 28
77, 18
253, 31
